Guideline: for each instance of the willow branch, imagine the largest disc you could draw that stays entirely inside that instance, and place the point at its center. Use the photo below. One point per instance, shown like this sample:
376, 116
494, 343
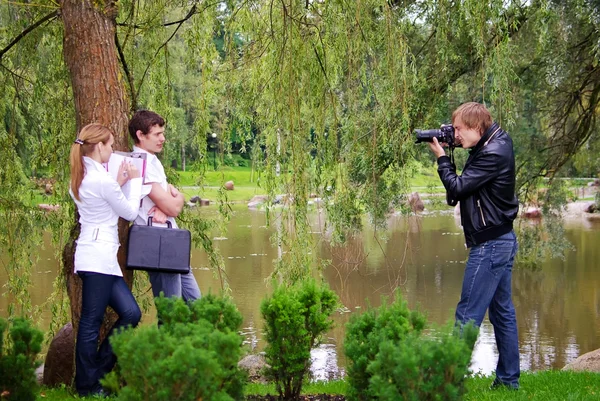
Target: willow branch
128, 73
48, 17
188, 16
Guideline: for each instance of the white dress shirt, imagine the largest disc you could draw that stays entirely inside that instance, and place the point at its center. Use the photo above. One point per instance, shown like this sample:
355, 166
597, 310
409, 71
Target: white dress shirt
101, 204
155, 173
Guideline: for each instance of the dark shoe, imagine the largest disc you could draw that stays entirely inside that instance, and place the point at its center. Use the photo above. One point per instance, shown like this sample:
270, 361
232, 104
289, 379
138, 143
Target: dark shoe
499, 384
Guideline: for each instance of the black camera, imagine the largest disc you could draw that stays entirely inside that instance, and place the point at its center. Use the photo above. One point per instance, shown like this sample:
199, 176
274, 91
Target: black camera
445, 134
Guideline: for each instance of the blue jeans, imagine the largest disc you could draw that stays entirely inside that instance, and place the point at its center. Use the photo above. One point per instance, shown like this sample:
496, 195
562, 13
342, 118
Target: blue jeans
487, 284
98, 292
175, 285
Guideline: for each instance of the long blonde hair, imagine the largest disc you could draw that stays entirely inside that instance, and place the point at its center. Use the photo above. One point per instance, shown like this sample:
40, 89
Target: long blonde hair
86, 141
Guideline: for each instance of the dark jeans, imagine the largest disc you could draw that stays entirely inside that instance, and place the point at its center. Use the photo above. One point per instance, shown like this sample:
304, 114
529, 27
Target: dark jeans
487, 284
98, 292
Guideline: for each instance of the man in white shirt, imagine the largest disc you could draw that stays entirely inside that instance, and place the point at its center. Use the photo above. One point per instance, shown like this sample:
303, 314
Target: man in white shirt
163, 202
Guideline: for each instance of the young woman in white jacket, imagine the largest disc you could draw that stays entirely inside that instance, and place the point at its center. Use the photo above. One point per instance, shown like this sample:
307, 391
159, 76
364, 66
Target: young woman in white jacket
100, 202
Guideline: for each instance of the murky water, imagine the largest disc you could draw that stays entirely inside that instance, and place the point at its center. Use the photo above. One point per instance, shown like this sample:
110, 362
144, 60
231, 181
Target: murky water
558, 305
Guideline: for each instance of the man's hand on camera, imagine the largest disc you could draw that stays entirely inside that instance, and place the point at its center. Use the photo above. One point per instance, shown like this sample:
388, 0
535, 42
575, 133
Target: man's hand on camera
436, 148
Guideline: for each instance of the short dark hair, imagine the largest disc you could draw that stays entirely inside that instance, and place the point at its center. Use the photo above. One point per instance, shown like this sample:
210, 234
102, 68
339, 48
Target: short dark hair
473, 115
144, 120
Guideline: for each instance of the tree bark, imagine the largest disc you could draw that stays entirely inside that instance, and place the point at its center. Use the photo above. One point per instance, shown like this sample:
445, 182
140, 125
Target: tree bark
90, 54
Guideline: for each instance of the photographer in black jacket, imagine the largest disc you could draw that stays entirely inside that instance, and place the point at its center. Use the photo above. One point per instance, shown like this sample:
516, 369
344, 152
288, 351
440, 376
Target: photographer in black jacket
488, 207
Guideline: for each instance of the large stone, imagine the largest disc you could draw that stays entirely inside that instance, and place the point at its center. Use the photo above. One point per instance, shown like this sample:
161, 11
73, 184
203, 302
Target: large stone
195, 199
587, 362
228, 185
257, 200
415, 202
39, 374
532, 213
48, 208
254, 365
60, 360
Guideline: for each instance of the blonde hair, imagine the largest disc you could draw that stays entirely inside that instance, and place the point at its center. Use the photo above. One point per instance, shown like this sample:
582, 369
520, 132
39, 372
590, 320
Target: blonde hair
473, 115
88, 138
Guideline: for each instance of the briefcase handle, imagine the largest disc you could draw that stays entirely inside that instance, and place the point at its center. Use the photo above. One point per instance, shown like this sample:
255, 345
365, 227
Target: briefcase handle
150, 222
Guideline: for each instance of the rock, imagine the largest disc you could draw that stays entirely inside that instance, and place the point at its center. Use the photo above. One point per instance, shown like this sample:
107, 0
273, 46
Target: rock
60, 360
595, 217
257, 200
195, 199
228, 185
532, 213
588, 362
47, 207
204, 202
39, 374
591, 208
48, 189
254, 365
415, 202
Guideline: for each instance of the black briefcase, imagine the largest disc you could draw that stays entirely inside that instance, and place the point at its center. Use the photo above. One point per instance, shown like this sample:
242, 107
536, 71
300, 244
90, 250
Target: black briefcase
158, 249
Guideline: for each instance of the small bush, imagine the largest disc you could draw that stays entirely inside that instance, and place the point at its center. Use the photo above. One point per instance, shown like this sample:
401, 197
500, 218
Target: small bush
193, 355
18, 351
391, 358
422, 367
364, 335
295, 318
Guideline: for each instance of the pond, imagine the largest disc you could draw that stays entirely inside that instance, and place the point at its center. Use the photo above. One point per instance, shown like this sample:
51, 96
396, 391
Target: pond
558, 304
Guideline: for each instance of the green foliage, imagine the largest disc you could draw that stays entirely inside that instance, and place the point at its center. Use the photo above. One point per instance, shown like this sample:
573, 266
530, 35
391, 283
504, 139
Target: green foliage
538, 240
18, 352
391, 358
555, 385
192, 355
295, 319
326, 92
366, 332
423, 367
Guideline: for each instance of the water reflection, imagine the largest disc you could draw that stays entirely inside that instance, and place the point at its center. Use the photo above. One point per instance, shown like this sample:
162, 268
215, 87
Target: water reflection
558, 306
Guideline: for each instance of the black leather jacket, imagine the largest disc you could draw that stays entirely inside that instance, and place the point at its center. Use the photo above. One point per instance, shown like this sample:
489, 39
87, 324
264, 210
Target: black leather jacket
486, 187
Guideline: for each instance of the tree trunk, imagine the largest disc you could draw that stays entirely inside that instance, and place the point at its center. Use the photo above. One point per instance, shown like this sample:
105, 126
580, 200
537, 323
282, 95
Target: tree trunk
90, 55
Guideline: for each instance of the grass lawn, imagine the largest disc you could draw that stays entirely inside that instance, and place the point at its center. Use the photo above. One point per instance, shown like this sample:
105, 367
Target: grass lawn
540, 386
247, 183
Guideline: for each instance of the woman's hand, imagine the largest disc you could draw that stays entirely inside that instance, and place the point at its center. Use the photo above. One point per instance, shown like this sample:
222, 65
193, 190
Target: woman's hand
126, 172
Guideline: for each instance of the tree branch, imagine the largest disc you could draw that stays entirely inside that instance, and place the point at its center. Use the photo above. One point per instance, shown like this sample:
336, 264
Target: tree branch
48, 17
188, 16
128, 73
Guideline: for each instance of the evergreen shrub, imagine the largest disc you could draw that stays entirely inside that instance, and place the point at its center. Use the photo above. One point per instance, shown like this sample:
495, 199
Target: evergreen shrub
18, 351
193, 355
366, 332
390, 358
423, 367
295, 319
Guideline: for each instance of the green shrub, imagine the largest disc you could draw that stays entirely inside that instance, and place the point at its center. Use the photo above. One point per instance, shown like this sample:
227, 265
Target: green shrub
18, 351
390, 358
364, 335
295, 318
193, 355
422, 367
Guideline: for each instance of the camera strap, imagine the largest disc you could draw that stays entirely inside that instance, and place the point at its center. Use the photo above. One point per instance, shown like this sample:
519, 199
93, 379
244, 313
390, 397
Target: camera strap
451, 154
